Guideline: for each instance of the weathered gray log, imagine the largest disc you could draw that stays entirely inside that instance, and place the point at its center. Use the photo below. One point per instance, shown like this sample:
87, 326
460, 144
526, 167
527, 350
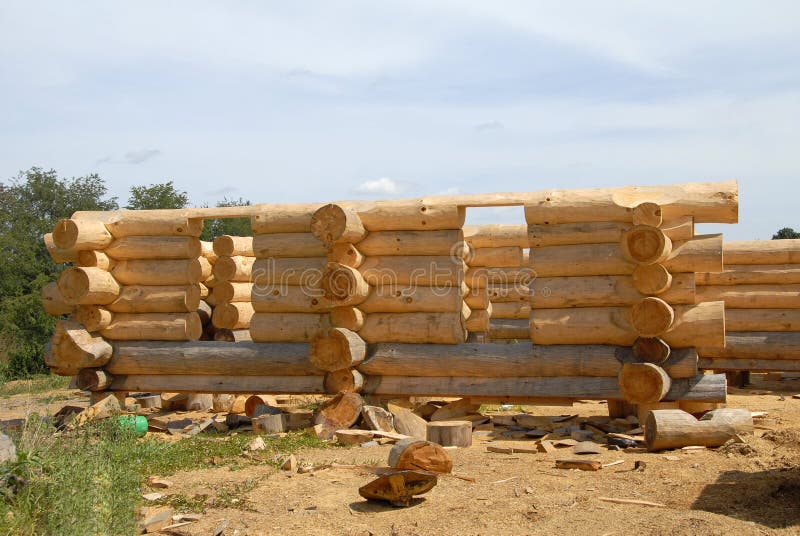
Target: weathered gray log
756, 345
219, 384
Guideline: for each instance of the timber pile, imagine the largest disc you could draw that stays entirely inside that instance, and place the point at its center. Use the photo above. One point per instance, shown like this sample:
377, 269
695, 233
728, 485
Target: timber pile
231, 287
761, 290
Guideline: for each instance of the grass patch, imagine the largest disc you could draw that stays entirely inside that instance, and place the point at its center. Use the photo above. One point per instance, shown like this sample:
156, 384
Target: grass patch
38, 384
90, 481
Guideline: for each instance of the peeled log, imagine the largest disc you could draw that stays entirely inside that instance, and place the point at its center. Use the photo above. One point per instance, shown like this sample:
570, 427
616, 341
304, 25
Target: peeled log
490, 236
599, 232
511, 310
94, 259
441, 328
479, 320
670, 428
94, 317
477, 298
334, 224
654, 279
74, 348
154, 247
53, 302
702, 253
336, 348
651, 317
210, 358
236, 268
412, 299
412, 453
413, 270
756, 345
408, 214
80, 235
781, 296
286, 271
445, 242
289, 299
294, 218
346, 254
603, 291
707, 202
57, 254
752, 274
511, 293
486, 360
156, 299
350, 318
287, 245
208, 251
643, 383
226, 292
343, 285
232, 335
152, 223
229, 246
154, 327
88, 286
762, 319
340, 412
286, 327
647, 213
219, 384
233, 315
507, 256
694, 325
93, 379
651, 350
643, 244
502, 328
450, 433
253, 401
483, 277
158, 272
346, 380
785, 251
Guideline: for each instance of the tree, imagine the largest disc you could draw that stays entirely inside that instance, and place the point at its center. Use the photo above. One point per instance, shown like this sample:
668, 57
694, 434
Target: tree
30, 205
228, 226
786, 232
154, 196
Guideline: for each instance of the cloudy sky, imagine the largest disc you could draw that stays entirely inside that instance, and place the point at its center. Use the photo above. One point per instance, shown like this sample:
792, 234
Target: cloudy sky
302, 101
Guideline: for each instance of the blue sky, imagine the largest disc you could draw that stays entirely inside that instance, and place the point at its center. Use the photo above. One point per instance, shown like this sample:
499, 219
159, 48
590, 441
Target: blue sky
282, 102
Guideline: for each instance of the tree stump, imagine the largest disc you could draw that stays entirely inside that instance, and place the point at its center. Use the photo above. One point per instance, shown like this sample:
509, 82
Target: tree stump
450, 433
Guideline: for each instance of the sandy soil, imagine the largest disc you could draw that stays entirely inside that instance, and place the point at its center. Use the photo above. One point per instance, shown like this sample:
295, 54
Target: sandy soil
744, 490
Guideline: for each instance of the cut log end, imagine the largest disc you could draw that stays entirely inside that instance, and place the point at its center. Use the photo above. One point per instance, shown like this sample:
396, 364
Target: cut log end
412, 453
398, 488
651, 350
651, 317
340, 412
651, 279
343, 285
643, 383
337, 348
450, 433
644, 244
334, 224
647, 213
345, 380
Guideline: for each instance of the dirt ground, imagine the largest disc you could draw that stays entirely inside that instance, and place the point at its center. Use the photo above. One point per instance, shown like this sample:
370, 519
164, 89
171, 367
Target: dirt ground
752, 489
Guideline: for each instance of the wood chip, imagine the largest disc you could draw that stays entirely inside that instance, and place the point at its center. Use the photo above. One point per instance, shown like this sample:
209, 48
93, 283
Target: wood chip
505, 480
583, 465
500, 450
587, 447
612, 464
694, 447
632, 501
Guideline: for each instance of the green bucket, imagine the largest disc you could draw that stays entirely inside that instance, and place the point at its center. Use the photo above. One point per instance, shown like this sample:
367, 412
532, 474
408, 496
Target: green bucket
135, 423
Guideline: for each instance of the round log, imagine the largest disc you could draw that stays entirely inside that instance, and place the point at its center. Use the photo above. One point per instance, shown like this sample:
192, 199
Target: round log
93, 317
233, 315
286, 327
343, 285
222, 402
603, 291
785, 251
413, 270
74, 348
757, 346
154, 327
488, 236
781, 296
289, 299
446, 242
345, 380
412, 453
228, 246
651, 350
477, 298
479, 320
53, 302
285, 271
441, 328
647, 213
703, 253
287, 245
353, 437
346, 254
227, 291
484, 277
651, 317
340, 412
409, 214
206, 268
158, 272
643, 383
508, 256
153, 223
511, 310
336, 348
652, 279
236, 268
333, 224
643, 244
93, 380
450, 433
377, 418
94, 259
199, 401
350, 318
156, 299
232, 335
412, 299
253, 401
57, 254
80, 234
674, 428
80, 285
208, 251
204, 311
155, 247
293, 218
762, 319
752, 274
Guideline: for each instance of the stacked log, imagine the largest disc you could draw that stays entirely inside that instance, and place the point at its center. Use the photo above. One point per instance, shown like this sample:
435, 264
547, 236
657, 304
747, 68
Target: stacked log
616, 268
231, 288
499, 273
761, 290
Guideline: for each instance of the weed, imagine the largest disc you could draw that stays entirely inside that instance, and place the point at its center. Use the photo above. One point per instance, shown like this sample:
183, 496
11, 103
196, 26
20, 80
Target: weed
38, 384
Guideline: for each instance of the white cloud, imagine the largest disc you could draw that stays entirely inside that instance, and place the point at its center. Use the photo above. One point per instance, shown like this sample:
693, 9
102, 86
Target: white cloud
383, 185
137, 157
